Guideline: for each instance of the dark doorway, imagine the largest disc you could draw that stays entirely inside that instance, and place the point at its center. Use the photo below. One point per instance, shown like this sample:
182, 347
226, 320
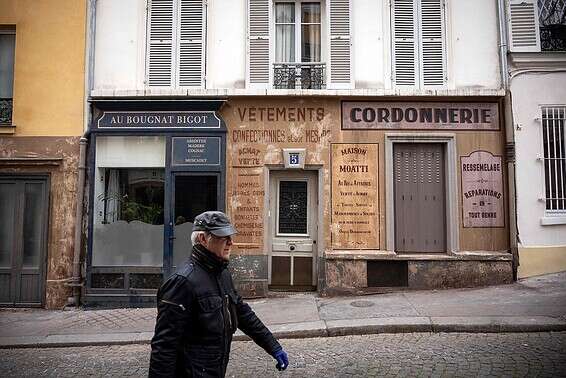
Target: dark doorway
193, 194
23, 233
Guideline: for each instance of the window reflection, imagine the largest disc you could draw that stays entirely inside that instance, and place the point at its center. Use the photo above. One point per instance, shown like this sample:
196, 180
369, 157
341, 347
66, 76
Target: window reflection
129, 230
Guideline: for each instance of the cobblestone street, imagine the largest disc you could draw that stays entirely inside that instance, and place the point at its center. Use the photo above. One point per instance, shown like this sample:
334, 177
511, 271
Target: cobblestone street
402, 355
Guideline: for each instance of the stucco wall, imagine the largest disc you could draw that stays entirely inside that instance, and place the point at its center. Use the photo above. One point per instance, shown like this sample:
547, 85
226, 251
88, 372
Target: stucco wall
62, 202
49, 65
530, 92
542, 248
471, 30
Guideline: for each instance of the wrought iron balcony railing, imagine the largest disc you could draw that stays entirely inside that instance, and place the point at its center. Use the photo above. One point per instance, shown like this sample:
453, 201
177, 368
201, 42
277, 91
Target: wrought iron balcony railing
553, 37
6, 111
299, 75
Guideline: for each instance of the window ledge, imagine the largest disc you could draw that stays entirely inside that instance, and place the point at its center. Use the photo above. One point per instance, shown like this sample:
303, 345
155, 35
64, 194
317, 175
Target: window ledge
553, 220
538, 59
228, 92
7, 129
391, 255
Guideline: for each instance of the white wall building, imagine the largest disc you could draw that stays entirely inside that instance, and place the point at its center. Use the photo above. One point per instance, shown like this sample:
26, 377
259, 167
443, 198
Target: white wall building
537, 68
449, 46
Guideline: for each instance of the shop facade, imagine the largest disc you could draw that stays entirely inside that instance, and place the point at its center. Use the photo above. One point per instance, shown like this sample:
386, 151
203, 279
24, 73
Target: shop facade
346, 195
335, 195
154, 167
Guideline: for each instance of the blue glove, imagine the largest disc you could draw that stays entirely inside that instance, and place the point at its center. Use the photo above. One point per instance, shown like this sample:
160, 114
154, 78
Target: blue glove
282, 359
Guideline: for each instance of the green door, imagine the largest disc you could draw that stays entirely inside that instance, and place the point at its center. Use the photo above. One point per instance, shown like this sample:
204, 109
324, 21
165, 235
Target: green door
23, 233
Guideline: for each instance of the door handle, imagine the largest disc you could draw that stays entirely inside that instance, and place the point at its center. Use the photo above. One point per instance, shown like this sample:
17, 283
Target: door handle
292, 247
172, 237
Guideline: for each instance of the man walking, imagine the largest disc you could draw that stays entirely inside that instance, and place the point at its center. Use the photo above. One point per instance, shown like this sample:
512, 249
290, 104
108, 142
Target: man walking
199, 310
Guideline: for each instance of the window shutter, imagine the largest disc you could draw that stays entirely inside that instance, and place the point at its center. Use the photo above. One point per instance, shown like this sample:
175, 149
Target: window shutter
340, 51
404, 42
523, 26
191, 43
432, 60
258, 42
160, 49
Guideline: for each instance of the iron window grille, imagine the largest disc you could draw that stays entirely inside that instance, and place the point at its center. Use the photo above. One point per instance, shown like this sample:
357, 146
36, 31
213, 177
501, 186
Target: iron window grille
299, 75
6, 105
554, 146
552, 23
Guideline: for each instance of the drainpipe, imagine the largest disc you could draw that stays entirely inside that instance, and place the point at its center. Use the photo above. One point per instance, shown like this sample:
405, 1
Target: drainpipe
509, 135
76, 281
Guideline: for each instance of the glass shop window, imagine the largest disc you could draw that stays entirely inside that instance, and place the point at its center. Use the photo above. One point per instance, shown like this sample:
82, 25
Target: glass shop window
129, 202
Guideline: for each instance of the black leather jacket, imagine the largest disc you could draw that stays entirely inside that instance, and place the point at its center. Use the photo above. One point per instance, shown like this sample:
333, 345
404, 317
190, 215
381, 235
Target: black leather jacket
198, 312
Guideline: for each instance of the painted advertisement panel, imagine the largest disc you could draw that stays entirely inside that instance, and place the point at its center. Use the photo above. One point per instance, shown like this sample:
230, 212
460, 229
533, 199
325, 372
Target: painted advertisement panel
482, 190
355, 212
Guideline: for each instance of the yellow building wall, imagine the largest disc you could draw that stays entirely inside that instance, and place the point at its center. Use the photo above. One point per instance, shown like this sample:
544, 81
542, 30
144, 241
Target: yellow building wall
535, 261
49, 65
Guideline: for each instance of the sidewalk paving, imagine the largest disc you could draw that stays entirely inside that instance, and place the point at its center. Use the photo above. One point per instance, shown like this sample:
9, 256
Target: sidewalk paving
535, 304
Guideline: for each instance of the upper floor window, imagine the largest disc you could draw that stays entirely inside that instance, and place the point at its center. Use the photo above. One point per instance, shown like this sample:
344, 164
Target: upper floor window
298, 40
418, 43
7, 54
554, 148
299, 44
552, 21
537, 25
175, 53
297, 22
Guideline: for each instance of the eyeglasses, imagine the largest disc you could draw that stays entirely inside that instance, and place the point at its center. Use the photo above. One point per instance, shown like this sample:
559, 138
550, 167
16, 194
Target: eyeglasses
225, 239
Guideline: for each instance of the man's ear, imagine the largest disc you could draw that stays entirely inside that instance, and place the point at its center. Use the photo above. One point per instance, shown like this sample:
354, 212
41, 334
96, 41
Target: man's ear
202, 239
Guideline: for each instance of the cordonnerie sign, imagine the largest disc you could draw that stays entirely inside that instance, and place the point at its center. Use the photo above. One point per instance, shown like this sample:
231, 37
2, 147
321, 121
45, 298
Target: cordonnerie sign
420, 115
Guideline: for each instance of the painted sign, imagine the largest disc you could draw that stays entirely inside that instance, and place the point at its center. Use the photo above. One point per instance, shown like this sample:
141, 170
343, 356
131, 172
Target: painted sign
246, 196
191, 151
482, 190
355, 202
158, 120
420, 116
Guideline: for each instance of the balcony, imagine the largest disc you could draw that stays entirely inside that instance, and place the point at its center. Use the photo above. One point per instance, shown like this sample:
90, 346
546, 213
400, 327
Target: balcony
6, 111
299, 75
553, 37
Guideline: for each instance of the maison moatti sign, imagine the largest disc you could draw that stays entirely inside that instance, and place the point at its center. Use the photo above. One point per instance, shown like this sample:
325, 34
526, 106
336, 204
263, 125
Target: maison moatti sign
112, 120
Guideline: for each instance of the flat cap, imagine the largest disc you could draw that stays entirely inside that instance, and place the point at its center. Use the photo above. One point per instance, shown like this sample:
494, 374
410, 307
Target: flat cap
215, 222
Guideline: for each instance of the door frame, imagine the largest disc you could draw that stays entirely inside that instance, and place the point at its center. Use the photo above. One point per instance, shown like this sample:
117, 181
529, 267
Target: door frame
267, 235
46, 179
169, 221
448, 140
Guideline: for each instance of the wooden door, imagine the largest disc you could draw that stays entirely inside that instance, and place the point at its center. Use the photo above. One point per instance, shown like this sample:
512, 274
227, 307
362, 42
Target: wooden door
293, 226
420, 200
23, 240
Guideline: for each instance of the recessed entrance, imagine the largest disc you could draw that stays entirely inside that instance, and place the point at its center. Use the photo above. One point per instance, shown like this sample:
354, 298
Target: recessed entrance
293, 229
193, 194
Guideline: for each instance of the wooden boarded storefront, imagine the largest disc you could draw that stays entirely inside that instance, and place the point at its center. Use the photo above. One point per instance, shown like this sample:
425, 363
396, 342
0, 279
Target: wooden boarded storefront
341, 195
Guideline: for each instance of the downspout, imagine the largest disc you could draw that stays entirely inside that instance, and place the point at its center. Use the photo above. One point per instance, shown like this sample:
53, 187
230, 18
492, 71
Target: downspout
76, 280
509, 135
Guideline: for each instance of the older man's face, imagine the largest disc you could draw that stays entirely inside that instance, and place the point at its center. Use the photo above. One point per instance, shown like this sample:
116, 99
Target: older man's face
220, 246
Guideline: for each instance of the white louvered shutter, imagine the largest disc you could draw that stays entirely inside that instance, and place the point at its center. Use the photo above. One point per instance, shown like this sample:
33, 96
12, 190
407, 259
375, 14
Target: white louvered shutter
432, 48
191, 43
340, 51
404, 33
523, 26
160, 49
258, 42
